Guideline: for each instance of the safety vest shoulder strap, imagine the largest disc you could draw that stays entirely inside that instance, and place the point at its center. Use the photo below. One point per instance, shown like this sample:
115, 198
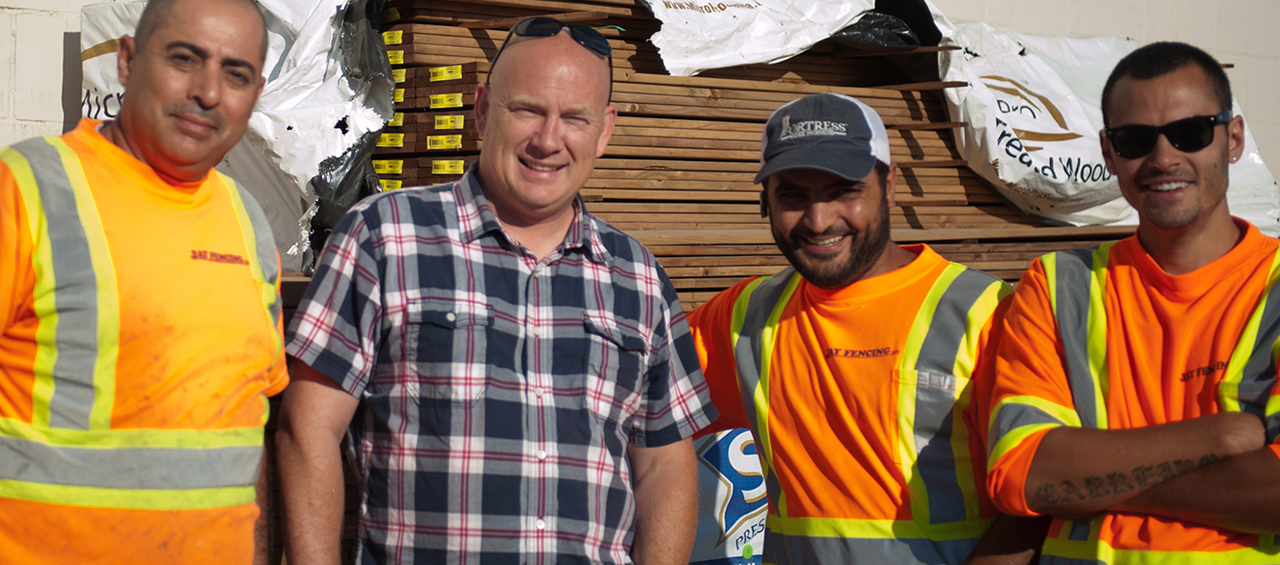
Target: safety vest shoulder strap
260, 243
1251, 373
69, 454
1076, 281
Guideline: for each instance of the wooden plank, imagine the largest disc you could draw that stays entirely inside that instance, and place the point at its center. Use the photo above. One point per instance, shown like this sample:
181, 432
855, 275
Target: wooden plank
761, 235
894, 92
506, 23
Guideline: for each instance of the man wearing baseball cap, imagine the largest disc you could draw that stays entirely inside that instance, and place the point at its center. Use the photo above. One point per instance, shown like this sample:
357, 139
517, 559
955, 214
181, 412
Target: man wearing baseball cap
853, 366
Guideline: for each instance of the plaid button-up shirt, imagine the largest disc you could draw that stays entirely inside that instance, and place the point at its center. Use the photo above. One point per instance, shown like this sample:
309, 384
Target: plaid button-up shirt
499, 392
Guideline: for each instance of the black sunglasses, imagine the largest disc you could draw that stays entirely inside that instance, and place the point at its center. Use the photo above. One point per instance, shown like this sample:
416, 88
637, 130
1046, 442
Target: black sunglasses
1187, 135
542, 26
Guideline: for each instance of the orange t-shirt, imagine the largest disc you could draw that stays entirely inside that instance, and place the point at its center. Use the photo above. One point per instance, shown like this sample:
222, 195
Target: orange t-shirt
832, 419
1168, 339
198, 350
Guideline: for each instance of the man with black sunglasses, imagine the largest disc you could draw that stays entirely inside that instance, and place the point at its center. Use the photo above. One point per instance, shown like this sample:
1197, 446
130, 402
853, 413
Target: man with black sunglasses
524, 379
1135, 397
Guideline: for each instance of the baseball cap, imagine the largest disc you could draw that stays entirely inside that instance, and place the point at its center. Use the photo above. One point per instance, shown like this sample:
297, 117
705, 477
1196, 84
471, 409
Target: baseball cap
832, 132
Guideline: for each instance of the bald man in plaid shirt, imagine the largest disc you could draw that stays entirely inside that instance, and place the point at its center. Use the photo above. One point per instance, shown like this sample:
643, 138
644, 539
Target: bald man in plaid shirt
517, 376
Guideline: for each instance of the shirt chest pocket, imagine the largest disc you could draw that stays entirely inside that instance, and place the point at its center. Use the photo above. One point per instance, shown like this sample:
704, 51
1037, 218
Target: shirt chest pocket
446, 351
930, 398
616, 362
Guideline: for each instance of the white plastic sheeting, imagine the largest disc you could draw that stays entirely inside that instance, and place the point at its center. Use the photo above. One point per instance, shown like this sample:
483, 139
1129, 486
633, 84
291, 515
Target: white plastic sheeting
1032, 113
700, 35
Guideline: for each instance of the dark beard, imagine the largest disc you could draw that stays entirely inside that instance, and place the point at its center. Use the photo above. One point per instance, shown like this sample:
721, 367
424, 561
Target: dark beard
866, 250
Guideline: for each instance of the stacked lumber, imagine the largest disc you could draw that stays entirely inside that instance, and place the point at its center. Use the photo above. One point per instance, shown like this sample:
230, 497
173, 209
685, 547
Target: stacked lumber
678, 171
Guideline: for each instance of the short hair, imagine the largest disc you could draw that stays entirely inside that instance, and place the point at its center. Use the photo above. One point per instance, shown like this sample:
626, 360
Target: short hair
882, 171
156, 14
1164, 57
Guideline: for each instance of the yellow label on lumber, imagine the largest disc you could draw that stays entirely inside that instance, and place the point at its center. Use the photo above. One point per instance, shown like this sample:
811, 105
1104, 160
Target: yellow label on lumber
397, 120
398, 75
393, 37
449, 122
396, 57
446, 73
391, 140
449, 167
390, 184
437, 142
390, 15
398, 95
446, 100
388, 167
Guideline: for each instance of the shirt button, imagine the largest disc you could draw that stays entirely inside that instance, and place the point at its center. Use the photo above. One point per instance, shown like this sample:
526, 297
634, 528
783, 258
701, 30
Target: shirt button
538, 392
540, 524
450, 316
535, 331
542, 455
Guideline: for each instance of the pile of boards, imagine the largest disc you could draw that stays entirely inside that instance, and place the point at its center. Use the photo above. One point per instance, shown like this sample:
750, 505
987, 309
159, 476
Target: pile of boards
678, 172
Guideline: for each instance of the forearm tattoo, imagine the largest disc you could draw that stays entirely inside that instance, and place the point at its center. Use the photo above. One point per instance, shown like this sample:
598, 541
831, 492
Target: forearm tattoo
1097, 489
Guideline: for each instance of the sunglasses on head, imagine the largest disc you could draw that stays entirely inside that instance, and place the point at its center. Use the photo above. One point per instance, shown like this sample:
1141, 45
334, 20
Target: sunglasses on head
1187, 135
543, 26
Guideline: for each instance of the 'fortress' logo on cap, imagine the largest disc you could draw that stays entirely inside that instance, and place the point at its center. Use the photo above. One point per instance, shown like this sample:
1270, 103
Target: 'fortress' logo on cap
812, 127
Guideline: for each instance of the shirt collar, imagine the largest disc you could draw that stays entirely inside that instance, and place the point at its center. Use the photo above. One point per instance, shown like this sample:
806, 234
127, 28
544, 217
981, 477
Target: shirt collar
477, 219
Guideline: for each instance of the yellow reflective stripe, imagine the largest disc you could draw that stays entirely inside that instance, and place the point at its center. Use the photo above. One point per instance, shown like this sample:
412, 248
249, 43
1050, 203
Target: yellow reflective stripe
907, 392
1098, 331
924, 319
111, 439
875, 529
979, 314
1017, 435
1049, 262
108, 297
1229, 387
768, 338
1103, 552
1273, 403
43, 294
740, 312
246, 229
187, 499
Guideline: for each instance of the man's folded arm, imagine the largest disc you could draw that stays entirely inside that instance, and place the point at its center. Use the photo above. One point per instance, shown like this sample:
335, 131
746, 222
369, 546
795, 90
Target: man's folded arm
1240, 493
1079, 472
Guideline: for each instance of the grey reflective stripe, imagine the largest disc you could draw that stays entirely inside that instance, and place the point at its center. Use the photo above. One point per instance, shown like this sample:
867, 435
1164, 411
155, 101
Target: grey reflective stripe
749, 346
1055, 560
780, 548
1259, 375
264, 240
76, 298
747, 352
129, 468
936, 460
951, 321
1074, 275
1077, 530
1012, 416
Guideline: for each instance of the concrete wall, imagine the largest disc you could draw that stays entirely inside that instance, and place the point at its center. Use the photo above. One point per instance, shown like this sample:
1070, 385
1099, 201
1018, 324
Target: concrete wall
39, 67
40, 48
1244, 33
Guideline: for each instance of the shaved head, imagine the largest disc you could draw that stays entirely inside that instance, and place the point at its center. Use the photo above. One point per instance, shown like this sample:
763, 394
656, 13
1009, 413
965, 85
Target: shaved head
156, 16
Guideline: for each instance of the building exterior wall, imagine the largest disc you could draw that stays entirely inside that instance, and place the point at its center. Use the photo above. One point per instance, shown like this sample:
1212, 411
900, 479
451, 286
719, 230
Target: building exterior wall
40, 45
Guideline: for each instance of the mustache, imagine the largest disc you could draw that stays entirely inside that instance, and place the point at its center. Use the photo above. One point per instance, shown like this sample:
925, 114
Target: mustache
1163, 176
193, 110
833, 231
